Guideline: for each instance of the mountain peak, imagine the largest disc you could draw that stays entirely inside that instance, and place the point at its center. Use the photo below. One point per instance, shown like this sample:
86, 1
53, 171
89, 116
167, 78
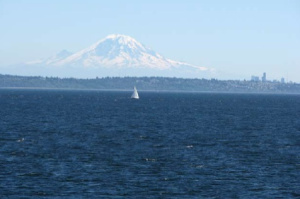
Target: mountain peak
120, 39
117, 51
118, 36
63, 53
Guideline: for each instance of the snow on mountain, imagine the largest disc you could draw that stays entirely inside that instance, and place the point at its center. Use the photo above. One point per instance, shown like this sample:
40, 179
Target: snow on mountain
59, 56
53, 59
119, 53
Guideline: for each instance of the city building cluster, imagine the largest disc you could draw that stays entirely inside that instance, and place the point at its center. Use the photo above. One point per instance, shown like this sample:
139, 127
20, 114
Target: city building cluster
264, 79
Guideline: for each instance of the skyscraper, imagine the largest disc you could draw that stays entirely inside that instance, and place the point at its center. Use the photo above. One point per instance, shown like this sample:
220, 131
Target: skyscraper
254, 78
264, 77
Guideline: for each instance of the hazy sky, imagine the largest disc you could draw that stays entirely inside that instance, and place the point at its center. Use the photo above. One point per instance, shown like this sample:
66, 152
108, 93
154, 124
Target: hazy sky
237, 38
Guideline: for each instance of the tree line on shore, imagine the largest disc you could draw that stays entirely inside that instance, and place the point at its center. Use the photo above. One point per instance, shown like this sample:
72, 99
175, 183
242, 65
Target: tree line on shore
147, 83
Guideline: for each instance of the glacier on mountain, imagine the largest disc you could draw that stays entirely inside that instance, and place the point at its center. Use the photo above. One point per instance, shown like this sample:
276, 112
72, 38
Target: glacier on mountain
118, 55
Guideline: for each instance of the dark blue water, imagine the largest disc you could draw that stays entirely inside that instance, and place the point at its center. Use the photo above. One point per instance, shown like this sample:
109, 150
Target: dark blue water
92, 144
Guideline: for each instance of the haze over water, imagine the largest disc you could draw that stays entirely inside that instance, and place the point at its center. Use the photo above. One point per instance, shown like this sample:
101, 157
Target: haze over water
96, 144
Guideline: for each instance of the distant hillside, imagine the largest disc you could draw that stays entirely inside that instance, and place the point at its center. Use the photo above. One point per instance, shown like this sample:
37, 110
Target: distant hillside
148, 83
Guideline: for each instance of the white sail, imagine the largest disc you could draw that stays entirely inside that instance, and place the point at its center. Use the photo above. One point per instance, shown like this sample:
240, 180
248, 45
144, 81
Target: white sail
135, 94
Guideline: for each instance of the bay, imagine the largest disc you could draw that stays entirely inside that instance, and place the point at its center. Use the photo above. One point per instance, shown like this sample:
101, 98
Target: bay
102, 144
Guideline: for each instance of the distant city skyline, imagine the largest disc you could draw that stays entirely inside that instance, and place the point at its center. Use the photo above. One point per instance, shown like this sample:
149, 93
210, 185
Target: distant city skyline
265, 79
236, 38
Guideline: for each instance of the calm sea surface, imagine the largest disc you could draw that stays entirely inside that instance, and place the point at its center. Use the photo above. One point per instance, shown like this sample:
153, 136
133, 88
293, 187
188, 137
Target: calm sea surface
97, 144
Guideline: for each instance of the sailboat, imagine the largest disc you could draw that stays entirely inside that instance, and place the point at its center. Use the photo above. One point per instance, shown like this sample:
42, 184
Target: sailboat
135, 94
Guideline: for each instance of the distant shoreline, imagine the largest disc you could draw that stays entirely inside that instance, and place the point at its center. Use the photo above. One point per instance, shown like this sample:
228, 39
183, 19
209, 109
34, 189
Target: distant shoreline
146, 91
148, 84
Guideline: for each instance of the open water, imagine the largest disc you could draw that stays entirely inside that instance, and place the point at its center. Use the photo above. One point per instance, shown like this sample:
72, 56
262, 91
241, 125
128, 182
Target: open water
101, 144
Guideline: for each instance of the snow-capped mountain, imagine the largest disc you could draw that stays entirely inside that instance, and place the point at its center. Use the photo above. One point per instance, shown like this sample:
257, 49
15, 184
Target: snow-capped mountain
118, 55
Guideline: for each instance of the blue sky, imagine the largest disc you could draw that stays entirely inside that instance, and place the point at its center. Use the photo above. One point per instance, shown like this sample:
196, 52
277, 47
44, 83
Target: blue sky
237, 38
